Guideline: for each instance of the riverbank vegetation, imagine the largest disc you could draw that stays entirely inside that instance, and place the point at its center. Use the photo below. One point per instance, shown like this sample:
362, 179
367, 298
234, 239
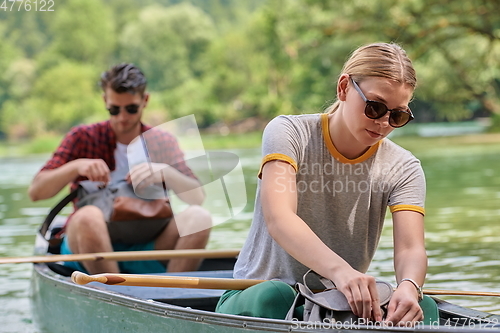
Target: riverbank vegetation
226, 60
419, 146
47, 144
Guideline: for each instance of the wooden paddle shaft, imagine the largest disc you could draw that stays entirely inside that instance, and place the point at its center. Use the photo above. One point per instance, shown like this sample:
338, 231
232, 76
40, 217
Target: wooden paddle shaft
126, 256
460, 293
211, 283
164, 281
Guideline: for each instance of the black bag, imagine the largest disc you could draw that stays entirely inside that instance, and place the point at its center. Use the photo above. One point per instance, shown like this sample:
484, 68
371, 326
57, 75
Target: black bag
130, 219
331, 305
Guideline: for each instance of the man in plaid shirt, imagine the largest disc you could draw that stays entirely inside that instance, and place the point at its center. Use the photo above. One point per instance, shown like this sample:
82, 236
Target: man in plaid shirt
92, 152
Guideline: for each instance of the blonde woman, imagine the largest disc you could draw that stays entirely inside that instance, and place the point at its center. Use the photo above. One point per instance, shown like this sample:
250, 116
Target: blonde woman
325, 183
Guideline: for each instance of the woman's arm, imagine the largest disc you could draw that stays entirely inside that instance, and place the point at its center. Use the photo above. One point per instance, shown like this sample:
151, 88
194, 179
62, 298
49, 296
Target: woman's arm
279, 205
410, 262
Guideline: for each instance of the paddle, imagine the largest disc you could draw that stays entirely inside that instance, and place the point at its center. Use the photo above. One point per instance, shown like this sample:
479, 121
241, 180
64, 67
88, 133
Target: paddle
210, 283
126, 256
459, 293
163, 281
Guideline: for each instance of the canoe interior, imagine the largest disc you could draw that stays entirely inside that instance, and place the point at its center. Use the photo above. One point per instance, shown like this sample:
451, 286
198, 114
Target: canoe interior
200, 299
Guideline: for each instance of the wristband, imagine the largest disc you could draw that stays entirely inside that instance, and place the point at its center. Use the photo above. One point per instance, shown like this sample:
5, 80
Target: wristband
419, 289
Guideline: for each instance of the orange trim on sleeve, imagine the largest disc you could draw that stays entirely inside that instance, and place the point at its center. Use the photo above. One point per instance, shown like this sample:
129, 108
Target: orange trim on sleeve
397, 208
277, 157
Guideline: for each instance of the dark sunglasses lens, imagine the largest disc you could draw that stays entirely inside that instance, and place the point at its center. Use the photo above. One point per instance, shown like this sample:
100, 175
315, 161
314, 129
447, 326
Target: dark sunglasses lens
375, 110
132, 108
399, 118
114, 110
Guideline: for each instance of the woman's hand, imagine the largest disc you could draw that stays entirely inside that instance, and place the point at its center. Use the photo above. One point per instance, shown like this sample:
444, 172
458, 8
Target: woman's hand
404, 309
361, 293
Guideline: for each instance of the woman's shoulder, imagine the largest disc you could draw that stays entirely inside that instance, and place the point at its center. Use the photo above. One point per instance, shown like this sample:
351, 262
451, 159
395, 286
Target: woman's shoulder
395, 151
299, 120
300, 117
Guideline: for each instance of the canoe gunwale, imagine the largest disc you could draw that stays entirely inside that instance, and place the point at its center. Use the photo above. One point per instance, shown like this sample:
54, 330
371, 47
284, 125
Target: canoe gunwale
449, 310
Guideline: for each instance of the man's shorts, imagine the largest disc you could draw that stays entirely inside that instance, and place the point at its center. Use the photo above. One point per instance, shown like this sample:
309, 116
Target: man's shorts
130, 267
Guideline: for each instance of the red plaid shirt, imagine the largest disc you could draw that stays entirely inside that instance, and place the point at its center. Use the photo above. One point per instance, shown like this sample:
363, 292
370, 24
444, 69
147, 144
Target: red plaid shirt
98, 141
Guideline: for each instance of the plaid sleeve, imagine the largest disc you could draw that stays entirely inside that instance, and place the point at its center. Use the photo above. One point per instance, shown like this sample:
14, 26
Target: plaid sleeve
63, 153
163, 147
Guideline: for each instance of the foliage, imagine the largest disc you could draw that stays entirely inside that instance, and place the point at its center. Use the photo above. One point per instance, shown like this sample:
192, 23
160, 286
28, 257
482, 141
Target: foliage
61, 97
226, 60
495, 123
83, 31
167, 43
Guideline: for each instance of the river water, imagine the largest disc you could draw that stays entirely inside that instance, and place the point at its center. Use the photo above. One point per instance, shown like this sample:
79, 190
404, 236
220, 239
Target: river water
462, 227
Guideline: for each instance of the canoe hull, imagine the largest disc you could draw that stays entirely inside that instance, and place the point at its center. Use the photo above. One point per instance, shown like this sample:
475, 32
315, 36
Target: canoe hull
60, 306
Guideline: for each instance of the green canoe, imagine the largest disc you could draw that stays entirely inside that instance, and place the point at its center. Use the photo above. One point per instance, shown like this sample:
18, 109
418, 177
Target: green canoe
59, 305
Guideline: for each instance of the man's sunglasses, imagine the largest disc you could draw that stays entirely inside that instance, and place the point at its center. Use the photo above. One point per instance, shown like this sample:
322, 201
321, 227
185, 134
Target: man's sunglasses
114, 110
376, 110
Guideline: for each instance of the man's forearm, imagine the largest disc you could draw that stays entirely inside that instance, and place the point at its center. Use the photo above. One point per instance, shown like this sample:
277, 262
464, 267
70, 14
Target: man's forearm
48, 183
188, 189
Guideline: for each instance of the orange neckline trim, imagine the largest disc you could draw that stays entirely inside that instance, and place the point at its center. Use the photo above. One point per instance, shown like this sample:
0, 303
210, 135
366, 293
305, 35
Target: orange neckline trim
335, 153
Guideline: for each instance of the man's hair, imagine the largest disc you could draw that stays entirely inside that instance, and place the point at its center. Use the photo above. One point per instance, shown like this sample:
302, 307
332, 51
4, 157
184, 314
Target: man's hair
124, 78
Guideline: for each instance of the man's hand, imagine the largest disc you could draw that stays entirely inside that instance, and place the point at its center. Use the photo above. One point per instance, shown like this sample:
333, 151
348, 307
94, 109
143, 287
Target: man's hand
146, 174
404, 308
48, 183
94, 169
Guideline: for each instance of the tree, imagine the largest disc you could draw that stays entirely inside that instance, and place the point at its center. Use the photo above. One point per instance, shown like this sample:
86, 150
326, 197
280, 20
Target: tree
64, 96
9, 53
167, 43
454, 44
83, 31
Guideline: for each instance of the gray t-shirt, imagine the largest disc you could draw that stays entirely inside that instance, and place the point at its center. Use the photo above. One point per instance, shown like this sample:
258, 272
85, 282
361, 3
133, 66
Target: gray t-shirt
343, 201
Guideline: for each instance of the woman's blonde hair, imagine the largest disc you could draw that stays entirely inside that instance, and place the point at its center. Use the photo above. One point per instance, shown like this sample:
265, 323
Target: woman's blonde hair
387, 60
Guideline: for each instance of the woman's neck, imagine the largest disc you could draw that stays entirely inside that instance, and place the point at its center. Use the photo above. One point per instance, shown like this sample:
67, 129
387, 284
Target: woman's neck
342, 138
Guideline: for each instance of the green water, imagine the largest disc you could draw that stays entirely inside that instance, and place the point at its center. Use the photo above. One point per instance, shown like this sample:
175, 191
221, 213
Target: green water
462, 226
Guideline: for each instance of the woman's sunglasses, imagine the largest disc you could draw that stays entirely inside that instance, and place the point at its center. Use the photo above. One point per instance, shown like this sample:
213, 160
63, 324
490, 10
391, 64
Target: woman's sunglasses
114, 110
376, 110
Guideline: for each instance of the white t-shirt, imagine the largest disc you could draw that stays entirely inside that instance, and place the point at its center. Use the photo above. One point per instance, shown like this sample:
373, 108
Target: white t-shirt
121, 162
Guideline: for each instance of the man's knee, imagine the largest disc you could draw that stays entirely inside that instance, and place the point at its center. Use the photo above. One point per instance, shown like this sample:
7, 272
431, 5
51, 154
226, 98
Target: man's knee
194, 220
87, 218
198, 213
